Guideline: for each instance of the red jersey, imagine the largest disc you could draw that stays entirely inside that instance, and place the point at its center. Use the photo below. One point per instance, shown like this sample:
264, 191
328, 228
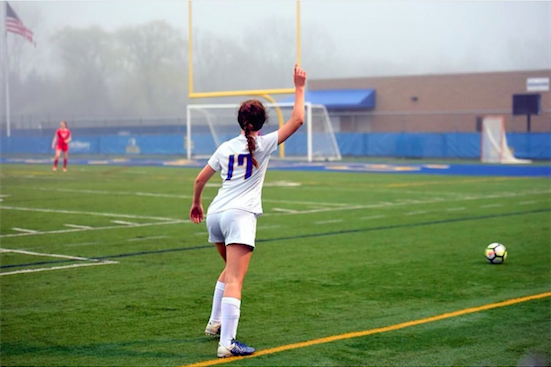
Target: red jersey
62, 136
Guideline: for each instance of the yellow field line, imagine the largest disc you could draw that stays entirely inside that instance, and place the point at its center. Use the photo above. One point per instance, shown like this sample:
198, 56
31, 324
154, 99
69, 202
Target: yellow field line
357, 334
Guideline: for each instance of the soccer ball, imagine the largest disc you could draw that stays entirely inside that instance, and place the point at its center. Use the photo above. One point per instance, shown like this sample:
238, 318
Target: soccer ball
496, 253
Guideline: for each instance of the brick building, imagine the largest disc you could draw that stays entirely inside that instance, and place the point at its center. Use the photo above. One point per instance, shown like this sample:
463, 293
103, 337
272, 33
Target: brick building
438, 103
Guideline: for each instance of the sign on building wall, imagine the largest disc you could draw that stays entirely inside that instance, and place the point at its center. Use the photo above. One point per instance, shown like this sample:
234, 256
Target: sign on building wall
537, 84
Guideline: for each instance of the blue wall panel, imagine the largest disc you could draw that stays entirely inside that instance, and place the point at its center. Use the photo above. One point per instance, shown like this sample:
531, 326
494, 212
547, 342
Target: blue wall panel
411, 145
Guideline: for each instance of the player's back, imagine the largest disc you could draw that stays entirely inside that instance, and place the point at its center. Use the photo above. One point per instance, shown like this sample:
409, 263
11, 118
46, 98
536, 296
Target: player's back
242, 182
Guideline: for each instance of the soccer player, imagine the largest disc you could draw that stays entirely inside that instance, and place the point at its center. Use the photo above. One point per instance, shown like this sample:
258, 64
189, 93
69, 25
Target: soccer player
63, 137
231, 217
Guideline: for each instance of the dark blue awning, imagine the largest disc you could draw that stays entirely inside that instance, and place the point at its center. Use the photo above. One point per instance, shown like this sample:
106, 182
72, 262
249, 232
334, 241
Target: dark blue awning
341, 98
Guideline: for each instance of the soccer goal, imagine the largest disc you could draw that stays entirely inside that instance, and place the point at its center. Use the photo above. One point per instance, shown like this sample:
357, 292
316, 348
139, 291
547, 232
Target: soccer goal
493, 147
209, 125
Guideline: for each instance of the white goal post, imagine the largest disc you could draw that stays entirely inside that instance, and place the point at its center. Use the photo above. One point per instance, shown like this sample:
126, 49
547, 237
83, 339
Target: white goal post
209, 125
493, 145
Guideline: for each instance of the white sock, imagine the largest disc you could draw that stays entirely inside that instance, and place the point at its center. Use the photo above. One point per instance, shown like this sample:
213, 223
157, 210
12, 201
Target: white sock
230, 319
216, 312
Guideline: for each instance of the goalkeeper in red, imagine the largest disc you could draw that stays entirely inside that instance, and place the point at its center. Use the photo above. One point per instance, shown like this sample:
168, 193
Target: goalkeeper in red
62, 137
231, 217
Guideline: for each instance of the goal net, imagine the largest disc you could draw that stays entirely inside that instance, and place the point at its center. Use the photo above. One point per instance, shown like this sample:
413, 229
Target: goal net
209, 125
494, 148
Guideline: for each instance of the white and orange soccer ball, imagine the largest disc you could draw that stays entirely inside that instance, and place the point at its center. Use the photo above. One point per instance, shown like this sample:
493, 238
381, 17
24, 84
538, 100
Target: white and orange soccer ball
496, 253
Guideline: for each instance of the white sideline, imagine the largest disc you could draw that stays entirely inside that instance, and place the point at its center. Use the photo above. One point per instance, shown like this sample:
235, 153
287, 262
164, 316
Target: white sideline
99, 214
46, 255
174, 196
411, 202
24, 230
373, 217
77, 226
95, 261
123, 222
93, 229
58, 268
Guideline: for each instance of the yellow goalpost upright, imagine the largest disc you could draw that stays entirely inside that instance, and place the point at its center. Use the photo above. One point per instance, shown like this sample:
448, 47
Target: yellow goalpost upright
263, 93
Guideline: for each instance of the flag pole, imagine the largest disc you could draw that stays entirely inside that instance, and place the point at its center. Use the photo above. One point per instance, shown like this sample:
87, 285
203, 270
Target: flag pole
6, 66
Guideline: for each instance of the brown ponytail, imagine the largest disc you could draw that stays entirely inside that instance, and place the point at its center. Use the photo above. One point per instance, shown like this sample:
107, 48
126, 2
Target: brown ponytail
251, 117
251, 143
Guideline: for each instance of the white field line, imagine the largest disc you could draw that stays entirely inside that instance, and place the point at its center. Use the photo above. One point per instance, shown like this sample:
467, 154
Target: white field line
455, 209
491, 206
46, 255
288, 211
94, 229
526, 202
175, 196
415, 202
373, 217
268, 226
77, 226
81, 244
25, 230
124, 222
201, 233
61, 211
58, 268
146, 238
417, 212
329, 221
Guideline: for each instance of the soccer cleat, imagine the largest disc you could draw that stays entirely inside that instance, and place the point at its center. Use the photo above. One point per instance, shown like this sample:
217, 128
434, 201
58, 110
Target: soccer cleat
213, 329
235, 349
64, 169
54, 169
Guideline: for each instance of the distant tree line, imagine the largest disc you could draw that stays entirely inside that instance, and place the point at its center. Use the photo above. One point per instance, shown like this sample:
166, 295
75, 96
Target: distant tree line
142, 70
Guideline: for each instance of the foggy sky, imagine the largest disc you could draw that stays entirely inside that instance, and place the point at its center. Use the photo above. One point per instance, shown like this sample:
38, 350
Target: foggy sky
400, 38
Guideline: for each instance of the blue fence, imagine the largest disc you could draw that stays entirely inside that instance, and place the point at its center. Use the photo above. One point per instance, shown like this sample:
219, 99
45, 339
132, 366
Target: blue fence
413, 145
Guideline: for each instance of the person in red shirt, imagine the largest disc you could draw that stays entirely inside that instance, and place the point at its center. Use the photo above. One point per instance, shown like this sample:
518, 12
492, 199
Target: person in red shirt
63, 137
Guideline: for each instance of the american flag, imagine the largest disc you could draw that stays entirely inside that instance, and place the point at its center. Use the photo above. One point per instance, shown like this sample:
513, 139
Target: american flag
15, 25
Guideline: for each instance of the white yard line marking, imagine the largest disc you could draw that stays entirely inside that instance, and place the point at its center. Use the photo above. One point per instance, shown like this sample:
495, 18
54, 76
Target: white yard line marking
491, 206
146, 238
94, 229
329, 221
415, 202
267, 227
175, 196
373, 217
77, 226
61, 211
455, 209
58, 268
526, 202
25, 230
81, 244
417, 212
47, 255
201, 233
288, 211
124, 222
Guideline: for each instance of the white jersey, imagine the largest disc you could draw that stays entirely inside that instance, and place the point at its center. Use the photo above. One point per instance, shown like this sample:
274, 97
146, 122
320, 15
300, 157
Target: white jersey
242, 182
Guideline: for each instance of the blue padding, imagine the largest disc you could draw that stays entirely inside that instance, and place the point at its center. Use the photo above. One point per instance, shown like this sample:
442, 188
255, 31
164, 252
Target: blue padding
410, 145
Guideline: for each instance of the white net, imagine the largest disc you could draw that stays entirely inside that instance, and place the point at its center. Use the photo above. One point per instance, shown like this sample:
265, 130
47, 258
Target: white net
209, 125
494, 147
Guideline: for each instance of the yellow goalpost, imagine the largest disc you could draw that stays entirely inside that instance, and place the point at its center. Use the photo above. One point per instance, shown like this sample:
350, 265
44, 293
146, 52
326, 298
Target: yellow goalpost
263, 93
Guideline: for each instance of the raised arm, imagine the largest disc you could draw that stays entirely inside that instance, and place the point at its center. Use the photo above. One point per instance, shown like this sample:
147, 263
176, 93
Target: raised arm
297, 116
196, 211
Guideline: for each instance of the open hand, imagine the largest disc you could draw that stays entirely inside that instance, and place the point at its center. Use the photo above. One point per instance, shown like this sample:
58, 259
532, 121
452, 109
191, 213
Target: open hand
196, 213
299, 77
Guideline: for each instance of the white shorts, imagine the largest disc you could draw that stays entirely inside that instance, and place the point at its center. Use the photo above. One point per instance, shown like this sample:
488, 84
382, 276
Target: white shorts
232, 226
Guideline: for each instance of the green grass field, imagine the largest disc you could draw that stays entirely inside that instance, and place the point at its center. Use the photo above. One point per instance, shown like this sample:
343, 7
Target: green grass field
337, 253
